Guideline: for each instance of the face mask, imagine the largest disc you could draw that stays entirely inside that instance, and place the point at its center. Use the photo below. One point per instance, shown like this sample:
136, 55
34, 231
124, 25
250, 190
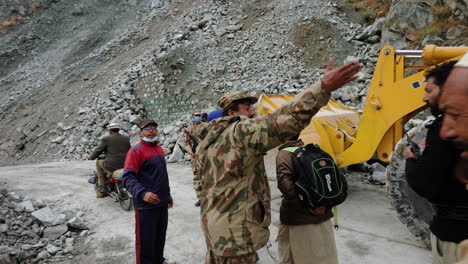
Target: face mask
149, 140
197, 119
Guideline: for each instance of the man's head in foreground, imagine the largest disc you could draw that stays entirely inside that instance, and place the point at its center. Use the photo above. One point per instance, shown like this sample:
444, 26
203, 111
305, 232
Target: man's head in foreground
148, 129
435, 78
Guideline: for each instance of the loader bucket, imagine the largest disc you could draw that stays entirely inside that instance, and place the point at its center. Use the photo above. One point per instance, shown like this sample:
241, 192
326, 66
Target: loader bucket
333, 128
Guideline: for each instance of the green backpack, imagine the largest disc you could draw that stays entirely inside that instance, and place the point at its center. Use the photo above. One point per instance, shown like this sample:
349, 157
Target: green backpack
319, 181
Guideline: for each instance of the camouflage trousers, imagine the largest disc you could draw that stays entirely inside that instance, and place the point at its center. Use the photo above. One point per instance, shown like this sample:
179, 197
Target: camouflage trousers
211, 258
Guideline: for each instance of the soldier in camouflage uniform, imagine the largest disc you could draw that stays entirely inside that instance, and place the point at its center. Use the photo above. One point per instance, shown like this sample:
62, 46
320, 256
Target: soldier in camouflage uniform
233, 187
192, 138
192, 133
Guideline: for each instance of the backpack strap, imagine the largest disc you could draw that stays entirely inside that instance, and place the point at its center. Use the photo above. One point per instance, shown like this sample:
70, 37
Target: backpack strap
335, 217
290, 149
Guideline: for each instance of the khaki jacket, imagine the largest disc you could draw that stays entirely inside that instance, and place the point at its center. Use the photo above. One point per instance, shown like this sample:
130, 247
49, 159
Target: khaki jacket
194, 131
235, 195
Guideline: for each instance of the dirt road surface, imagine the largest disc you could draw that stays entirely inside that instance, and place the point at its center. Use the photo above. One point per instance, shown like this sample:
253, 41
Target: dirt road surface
370, 231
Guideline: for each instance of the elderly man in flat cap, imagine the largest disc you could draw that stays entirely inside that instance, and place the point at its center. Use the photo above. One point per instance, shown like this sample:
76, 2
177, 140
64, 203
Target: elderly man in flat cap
234, 193
115, 146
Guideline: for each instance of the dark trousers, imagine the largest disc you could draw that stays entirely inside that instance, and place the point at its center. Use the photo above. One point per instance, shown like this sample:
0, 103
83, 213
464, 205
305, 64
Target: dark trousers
150, 230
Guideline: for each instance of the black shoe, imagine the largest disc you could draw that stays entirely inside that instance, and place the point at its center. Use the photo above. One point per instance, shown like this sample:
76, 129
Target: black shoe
197, 204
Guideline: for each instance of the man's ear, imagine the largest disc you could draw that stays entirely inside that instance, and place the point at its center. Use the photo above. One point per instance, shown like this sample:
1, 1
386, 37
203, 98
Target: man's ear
231, 112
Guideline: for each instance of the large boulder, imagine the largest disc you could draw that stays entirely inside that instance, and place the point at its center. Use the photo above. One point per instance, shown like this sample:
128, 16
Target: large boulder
403, 18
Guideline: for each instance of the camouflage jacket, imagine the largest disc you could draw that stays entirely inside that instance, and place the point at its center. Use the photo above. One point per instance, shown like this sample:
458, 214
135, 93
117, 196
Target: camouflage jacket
194, 131
234, 193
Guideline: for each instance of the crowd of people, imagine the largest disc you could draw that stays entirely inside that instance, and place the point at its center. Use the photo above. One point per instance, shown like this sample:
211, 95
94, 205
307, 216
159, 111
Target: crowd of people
232, 188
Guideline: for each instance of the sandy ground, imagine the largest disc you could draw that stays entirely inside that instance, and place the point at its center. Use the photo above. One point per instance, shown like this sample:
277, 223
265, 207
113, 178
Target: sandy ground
370, 231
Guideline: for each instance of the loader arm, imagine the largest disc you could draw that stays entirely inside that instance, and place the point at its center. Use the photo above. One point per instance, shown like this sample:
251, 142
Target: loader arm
394, 96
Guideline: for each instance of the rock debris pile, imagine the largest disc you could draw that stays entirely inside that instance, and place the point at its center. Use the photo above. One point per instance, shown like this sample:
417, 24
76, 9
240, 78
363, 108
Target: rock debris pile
32, 232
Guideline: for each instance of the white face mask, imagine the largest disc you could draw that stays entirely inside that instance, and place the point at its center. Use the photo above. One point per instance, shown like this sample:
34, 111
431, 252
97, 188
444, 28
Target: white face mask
149, 140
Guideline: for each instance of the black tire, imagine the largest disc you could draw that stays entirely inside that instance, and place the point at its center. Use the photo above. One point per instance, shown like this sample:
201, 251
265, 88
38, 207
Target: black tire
412, 210
125, 199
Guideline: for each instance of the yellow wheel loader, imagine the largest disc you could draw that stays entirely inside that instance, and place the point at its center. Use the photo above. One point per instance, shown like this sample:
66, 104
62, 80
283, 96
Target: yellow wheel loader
394, 96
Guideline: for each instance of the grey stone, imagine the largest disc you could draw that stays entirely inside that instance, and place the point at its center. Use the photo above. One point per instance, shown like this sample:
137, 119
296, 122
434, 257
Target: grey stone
3, 228
177, 155
7, 259
234, 28
169, 129
374, 39
372, 30
345, 97
48, 217
68, 249
69, 241
220, 31
68, 214
156, 4
28, 206
378, 176
6, 250
43, 255
179, 36
378, 167
77, 223
432, 40
453, 33
452, 4
54, 232
52, 249
395, 39
64, 127
58, 140
26, 247
19, 208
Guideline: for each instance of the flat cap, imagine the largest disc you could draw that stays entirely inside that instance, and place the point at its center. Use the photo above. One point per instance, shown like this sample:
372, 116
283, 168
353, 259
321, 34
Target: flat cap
113, 126
146, 122
229, 98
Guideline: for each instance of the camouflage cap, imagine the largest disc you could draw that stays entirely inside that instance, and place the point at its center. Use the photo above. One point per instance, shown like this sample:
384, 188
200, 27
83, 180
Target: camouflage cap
229, 98
196, 112
146, 122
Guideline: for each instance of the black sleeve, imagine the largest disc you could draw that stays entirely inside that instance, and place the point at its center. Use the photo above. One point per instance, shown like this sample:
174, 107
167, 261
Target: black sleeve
427, 175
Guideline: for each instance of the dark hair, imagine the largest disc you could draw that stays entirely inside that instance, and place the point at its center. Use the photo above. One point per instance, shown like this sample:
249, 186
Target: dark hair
235, 105
204, 115
440, 72
115, 130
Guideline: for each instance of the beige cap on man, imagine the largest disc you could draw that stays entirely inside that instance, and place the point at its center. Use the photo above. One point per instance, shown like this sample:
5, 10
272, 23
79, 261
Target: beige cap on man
113, 126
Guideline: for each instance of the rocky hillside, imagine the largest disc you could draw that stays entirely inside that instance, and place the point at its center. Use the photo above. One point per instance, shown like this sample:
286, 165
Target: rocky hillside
67, 68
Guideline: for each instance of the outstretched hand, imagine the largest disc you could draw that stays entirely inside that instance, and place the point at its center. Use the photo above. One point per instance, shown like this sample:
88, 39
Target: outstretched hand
335, 78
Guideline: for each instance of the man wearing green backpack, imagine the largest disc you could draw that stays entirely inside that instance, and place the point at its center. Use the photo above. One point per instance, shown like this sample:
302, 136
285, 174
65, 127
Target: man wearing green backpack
305, 234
